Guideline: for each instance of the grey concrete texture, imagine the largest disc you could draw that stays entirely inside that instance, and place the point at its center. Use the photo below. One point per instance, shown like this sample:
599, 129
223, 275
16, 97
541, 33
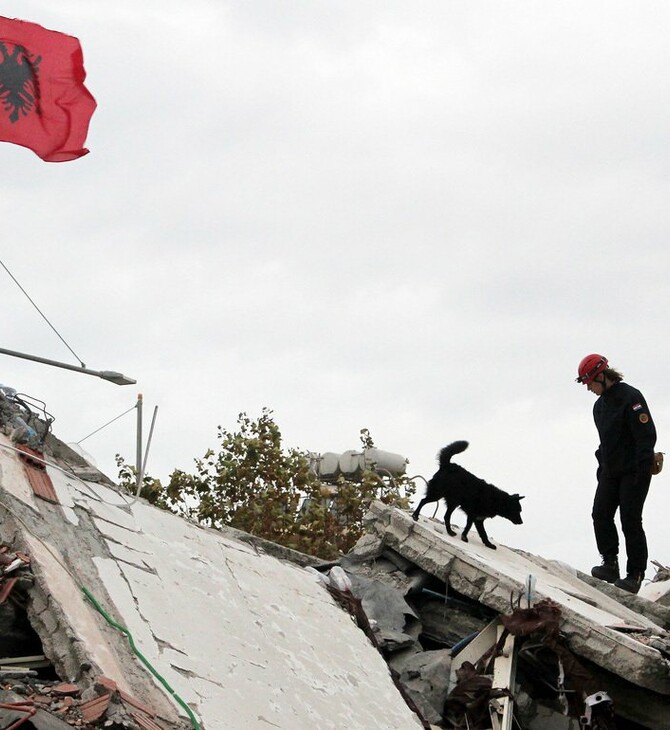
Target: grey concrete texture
600, 625
245, 638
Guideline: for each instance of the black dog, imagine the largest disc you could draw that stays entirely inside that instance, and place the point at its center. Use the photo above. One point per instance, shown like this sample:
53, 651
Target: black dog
478, 499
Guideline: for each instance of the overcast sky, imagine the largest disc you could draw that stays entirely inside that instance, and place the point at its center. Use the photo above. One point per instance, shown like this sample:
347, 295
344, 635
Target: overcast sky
411, 217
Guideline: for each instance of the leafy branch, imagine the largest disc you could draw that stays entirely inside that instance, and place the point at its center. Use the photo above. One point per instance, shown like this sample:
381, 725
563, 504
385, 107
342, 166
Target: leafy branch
253, 484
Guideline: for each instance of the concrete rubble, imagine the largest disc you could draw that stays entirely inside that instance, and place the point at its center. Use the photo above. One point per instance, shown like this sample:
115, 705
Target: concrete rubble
116, 614
600, 638
226, 632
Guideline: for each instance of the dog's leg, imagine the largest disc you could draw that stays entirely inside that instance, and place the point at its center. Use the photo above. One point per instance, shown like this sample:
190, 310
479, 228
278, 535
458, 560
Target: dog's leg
425, 500
479, 524
468, 525
447, 519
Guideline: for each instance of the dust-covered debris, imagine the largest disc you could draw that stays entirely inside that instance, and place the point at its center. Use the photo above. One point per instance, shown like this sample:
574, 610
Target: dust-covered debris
428, 602
30, 689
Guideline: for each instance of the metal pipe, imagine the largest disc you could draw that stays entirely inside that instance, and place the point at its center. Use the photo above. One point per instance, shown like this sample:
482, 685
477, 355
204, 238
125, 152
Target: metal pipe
138, 461
146, 453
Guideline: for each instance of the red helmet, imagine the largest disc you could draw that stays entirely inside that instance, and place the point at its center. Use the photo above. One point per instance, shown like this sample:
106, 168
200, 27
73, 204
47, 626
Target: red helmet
589, 367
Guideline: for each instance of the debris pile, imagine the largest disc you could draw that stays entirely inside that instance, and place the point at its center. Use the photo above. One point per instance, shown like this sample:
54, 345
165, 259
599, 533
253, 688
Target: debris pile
420, 627
472, 638
662, 572
30, 691
24, 418
448, 649
56, 705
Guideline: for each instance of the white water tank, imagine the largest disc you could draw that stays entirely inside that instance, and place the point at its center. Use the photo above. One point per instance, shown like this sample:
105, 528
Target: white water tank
351, 464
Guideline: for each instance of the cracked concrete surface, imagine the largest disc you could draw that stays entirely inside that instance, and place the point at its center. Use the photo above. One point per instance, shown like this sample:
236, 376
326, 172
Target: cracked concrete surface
246, 639
250, 640
497, 577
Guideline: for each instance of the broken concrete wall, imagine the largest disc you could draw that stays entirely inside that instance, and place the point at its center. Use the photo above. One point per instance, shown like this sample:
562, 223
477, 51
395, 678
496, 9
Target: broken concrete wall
616, 636
495, 578
80, 645
242, 637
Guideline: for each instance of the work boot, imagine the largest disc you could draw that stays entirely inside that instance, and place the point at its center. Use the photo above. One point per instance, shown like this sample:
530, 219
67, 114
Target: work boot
631, 582
608, 571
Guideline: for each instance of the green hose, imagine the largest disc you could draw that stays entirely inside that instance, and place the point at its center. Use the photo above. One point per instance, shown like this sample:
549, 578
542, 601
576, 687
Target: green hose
141, 656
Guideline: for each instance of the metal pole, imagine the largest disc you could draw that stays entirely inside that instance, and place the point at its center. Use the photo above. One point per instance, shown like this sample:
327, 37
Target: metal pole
146, 451
138, 462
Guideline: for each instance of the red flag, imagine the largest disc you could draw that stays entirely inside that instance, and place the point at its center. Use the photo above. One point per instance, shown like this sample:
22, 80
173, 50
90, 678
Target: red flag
44, 104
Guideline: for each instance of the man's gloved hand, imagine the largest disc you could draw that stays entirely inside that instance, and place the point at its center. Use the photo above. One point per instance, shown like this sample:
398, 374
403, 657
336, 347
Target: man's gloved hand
657, 463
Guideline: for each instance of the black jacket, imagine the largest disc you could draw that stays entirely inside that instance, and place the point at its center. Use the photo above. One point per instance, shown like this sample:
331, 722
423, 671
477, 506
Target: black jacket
626, 429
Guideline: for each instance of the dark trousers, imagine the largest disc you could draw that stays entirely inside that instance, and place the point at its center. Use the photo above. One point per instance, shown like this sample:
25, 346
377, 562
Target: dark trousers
626, 493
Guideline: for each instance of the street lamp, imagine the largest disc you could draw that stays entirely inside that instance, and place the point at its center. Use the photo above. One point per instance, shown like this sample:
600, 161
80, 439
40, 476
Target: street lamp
110, 375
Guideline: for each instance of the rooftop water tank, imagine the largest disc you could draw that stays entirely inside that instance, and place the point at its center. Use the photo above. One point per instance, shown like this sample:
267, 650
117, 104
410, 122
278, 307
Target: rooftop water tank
351, 464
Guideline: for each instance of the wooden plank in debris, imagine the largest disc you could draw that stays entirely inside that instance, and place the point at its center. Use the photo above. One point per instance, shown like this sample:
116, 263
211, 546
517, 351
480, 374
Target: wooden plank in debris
36, 661
504, 677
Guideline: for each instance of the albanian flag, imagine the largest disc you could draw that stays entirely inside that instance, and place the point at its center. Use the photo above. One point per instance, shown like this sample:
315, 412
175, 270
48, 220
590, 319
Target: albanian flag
44, 104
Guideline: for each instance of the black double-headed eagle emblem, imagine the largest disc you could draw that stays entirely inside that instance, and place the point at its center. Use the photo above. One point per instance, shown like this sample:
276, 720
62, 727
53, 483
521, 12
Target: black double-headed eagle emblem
19, 81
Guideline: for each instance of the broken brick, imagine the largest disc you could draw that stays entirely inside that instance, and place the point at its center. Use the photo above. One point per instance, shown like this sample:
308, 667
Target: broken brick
64, 688
136, 703
7, 589
96, 708
106, 683
145, 723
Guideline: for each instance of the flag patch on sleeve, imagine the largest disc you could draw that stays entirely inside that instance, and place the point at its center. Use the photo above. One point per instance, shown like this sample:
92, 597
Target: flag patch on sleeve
637, 406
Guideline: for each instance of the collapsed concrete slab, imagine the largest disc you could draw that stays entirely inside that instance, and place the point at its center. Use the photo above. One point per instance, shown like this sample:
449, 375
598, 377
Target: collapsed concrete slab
151, 614
244, 639
621, 639
599, 626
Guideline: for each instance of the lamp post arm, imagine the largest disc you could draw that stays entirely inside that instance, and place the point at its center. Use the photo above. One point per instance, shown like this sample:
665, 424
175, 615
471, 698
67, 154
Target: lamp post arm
109, 375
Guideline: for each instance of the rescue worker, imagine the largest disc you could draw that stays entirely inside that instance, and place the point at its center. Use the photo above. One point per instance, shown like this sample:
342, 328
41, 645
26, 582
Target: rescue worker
625, 458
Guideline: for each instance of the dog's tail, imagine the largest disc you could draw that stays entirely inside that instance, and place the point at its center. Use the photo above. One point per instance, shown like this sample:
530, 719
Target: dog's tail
448, 451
